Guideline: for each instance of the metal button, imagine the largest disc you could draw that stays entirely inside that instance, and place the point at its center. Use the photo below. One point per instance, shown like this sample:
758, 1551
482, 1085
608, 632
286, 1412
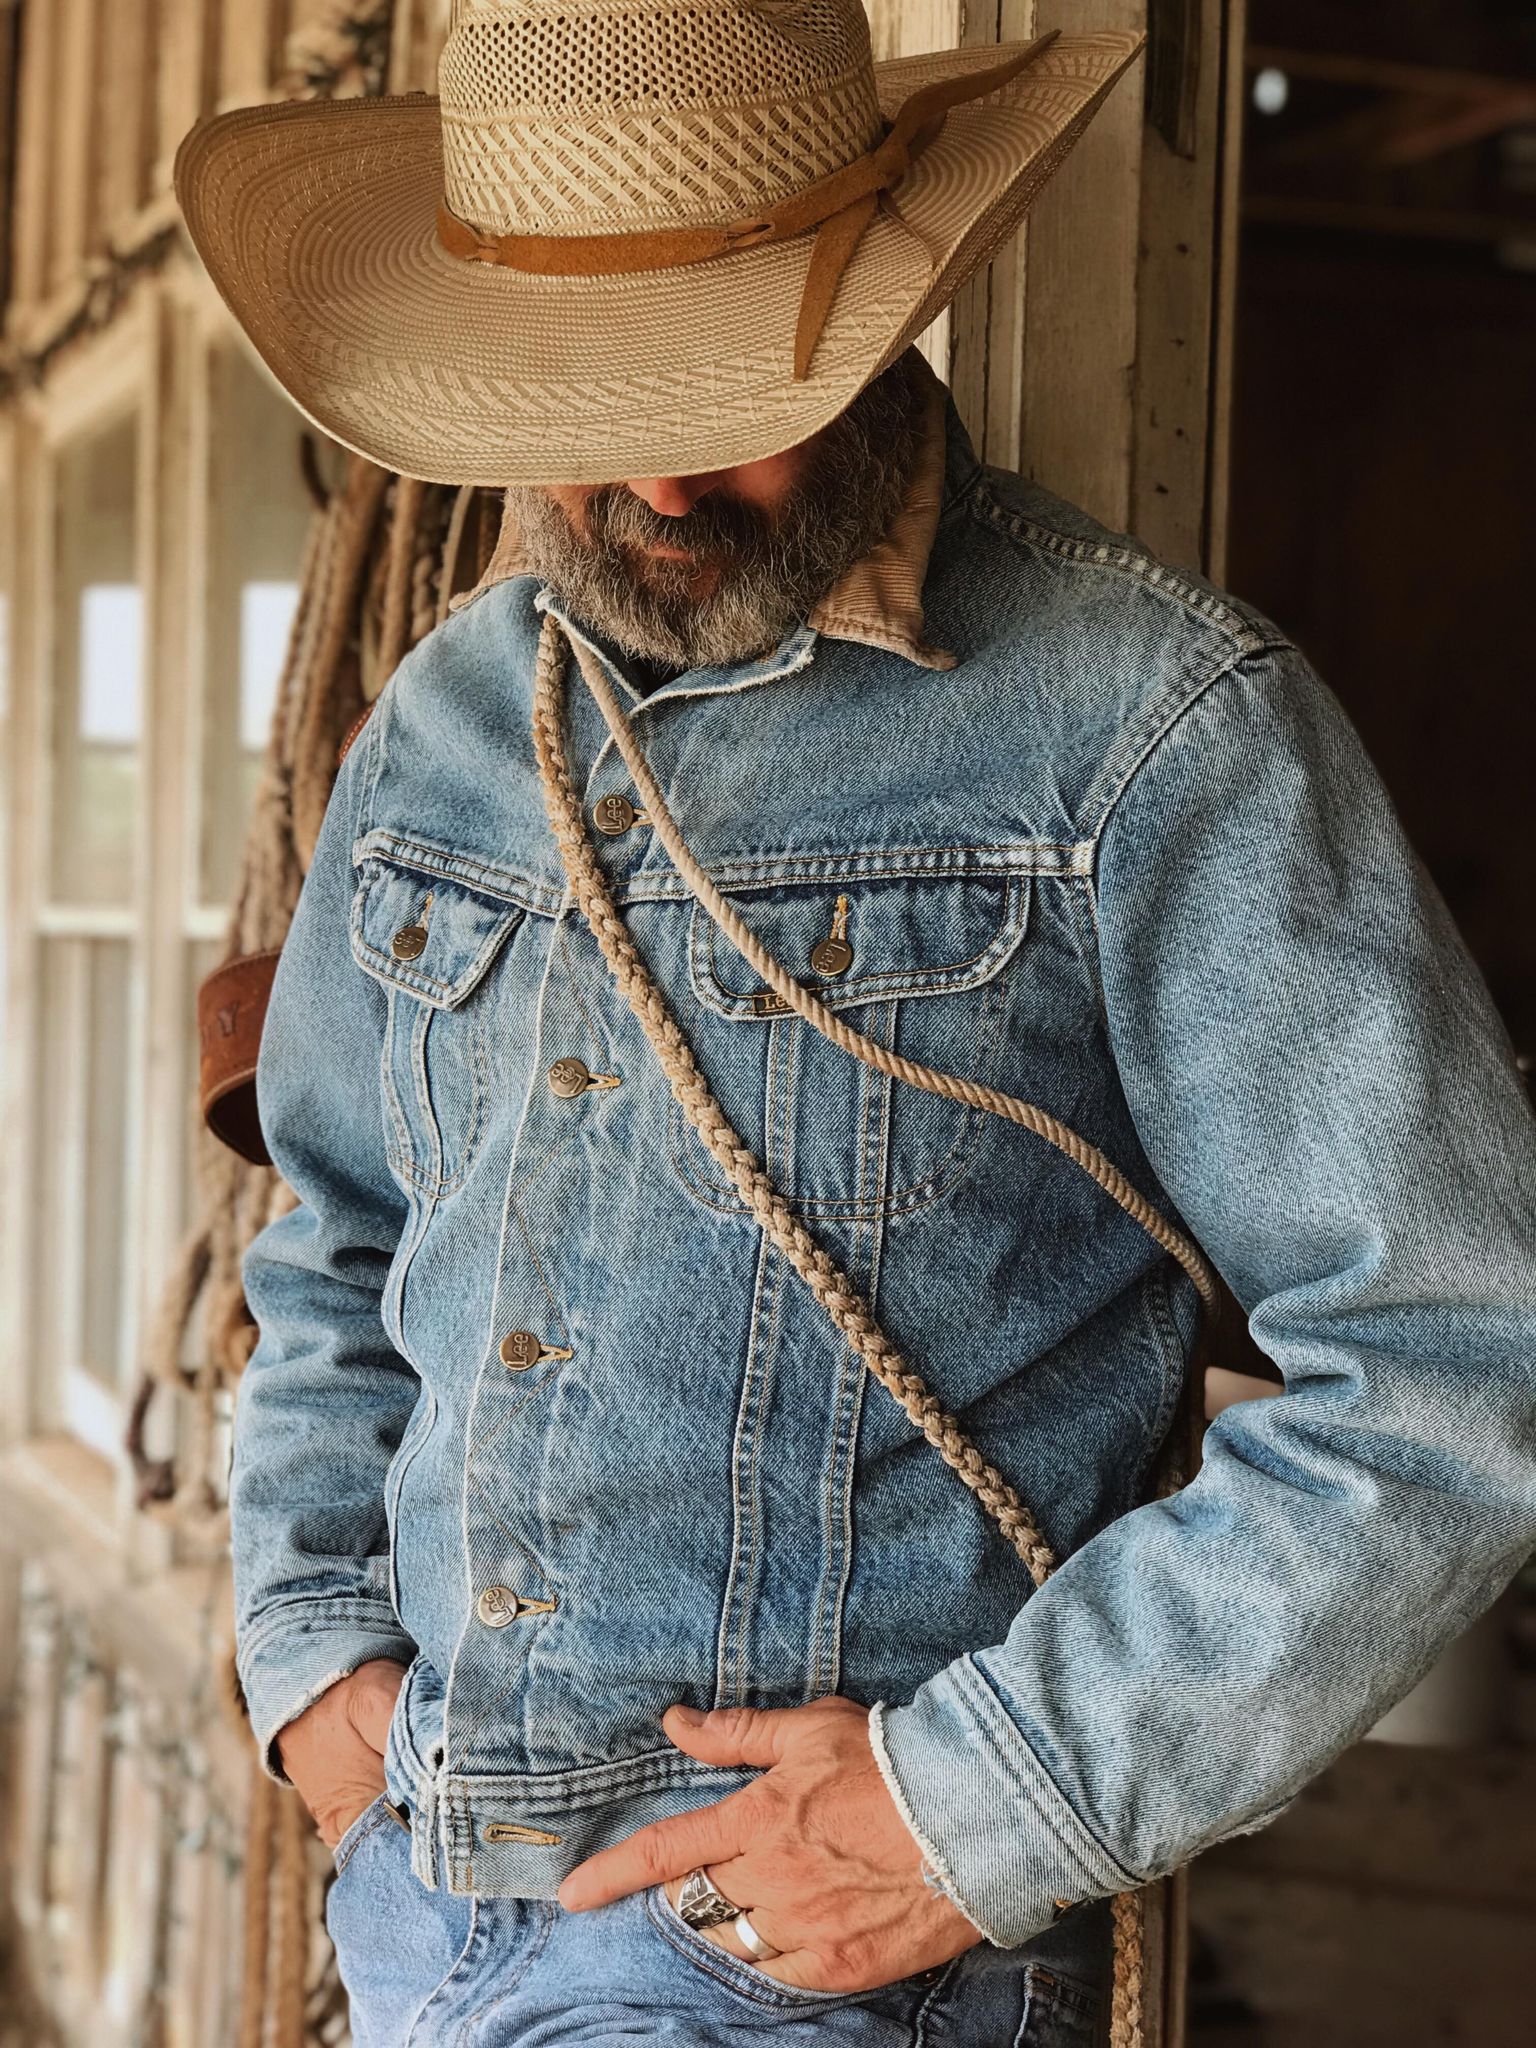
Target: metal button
410, 942
614, 814
570, 1077
523, 1348
497, 1606
832, 956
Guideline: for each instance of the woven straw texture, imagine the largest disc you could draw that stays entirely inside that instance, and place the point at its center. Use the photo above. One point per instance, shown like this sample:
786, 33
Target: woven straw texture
583, 120
318, 225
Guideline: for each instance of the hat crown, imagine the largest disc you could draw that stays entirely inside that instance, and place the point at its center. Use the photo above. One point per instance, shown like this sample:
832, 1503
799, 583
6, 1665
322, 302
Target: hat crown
582, 117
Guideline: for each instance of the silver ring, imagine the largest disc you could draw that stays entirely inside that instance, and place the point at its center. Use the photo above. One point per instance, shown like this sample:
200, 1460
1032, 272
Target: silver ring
751, 1940
699, 1904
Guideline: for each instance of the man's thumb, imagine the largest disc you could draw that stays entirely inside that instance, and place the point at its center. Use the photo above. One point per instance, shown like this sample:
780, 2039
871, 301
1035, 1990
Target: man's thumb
728, 1735
371, 1696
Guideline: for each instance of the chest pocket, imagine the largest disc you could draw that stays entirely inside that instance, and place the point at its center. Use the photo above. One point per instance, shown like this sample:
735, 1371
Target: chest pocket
432, 943
919, 964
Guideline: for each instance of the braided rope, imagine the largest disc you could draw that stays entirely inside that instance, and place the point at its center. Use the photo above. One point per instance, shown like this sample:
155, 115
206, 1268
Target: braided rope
830, 1286
848, 1311
952, 1086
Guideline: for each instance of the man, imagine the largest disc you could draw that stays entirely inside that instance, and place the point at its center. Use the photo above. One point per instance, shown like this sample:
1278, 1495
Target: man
652, 1675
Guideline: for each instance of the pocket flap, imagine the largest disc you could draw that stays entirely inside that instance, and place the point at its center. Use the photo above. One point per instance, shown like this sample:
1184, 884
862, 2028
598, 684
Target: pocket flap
908, 936
425, 933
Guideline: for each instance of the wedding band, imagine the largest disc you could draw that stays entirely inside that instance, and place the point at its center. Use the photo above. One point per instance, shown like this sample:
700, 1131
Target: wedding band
751, 1940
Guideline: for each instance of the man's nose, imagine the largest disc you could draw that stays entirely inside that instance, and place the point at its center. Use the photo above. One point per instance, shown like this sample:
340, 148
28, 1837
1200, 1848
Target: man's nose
671, 496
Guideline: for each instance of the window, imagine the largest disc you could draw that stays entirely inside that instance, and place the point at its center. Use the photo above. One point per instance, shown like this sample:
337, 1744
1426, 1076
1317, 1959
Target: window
93, 613
259, 510
158, 570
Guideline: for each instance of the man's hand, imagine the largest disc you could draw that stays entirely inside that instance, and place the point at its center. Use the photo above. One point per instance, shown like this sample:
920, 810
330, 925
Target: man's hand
815, 1849
334, 1750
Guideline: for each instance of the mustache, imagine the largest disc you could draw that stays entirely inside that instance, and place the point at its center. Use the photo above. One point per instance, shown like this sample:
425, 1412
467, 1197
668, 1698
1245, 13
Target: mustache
723, 528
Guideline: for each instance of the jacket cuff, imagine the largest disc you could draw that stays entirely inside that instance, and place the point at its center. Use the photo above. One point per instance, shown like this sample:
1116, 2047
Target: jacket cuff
997, 1836
300, 1650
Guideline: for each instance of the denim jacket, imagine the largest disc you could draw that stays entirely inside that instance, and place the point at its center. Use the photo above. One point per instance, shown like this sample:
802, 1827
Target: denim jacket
535, 1410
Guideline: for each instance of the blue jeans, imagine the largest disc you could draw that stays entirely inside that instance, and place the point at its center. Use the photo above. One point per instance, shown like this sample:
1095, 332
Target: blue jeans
434, 1969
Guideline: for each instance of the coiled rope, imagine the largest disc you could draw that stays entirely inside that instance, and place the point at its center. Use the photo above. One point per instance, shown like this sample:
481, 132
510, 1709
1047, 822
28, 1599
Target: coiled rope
848, 1311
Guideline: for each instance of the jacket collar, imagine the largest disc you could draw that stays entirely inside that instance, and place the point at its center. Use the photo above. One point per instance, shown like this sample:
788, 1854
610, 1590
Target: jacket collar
879, 601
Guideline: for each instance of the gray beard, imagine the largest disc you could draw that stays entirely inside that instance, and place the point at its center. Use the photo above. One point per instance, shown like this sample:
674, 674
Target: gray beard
773, 566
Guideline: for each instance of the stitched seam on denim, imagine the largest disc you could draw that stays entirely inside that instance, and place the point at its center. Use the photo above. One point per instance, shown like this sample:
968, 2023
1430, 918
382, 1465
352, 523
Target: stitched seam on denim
417, 1064
1006, 1744
589, 1787
601, 1043
938, 1863
939, 1991
546, 1912
905, 1202
1155, 1292
401, 974
1026, 856
358, 1839
404, 1459
1131, 561
1126, 764
472, 1944
726, 1628
737, 1977
482, 1375
362, 1616
756, 1388
825, 1659
424, 856
927, 864
945, 1177
832, 1516
392, 1300
397, 1143
953, 978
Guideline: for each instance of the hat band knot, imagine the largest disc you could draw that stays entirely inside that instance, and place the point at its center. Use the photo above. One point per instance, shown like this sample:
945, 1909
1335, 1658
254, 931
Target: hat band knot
840, 207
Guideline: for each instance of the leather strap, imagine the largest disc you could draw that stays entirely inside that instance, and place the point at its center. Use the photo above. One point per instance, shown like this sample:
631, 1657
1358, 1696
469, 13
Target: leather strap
231, 1007
840, 206
353, 730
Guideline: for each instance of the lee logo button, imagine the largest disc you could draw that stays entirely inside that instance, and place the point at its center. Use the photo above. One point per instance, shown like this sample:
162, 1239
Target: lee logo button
523, 1348
615, 814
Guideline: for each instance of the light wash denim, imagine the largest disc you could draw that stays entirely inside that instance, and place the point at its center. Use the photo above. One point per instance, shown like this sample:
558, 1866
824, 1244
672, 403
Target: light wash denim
430, 1969
1129, 861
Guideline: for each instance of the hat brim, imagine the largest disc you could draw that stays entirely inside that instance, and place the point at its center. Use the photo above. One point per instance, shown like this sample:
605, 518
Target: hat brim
317, 222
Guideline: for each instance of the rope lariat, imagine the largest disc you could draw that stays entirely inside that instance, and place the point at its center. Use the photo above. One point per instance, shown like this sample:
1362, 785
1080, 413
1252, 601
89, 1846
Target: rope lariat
846, 1308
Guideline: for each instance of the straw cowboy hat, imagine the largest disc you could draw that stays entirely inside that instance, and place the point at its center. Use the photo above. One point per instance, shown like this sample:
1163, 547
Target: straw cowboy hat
627, 237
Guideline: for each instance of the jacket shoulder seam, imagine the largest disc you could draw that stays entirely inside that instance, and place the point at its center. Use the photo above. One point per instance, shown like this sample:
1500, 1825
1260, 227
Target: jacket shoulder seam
1126, 559
1146, 736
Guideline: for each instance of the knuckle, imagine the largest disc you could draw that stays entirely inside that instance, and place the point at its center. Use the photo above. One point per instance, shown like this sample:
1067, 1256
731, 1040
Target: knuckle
851, 1962
734, 1723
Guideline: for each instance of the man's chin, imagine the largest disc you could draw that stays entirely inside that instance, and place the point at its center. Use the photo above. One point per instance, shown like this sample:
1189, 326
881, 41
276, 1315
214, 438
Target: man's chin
675, 577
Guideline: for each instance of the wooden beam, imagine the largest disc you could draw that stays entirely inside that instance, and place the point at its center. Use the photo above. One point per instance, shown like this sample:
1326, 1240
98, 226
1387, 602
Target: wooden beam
35, 115
1379, 74
72, 233
1430, 223
1080, 329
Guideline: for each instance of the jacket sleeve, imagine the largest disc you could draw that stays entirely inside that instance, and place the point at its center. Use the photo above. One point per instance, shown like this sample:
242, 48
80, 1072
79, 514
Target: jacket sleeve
326, 1396
1320, 1081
